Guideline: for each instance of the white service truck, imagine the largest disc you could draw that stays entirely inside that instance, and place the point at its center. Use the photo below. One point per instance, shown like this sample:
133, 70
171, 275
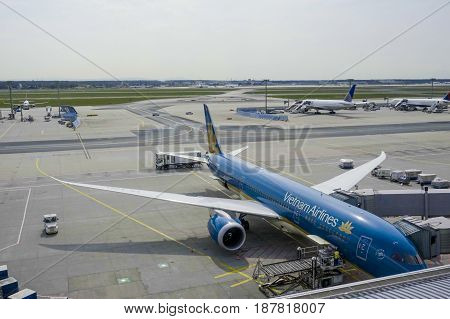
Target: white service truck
50, 224
168, 160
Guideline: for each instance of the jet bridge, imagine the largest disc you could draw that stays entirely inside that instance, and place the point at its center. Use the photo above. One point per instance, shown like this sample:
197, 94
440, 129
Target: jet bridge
424, 203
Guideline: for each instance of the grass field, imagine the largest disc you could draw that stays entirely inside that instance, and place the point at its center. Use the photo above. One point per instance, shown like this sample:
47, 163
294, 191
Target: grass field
362, 92
95, 97
82, 97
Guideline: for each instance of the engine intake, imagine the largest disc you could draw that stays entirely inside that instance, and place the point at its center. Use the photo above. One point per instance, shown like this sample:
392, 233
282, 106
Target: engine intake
226, 231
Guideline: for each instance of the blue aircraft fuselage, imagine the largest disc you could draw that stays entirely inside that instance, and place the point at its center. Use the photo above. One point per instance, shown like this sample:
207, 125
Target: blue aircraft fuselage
364, 239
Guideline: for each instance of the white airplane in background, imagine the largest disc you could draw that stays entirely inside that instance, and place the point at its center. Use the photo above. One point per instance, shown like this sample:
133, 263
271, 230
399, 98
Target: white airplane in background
327, 105
25, 105
430, 105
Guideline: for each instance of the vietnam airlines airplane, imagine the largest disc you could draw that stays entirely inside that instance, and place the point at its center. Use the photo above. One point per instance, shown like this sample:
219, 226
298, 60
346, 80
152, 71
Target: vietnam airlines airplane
429, 104
364, 239
327, 105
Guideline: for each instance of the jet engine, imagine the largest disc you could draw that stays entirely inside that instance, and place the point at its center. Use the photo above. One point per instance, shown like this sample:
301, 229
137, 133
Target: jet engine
226, 231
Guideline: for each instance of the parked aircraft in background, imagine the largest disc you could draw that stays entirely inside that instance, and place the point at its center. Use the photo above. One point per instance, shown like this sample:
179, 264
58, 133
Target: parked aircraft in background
25, 105
430, 105
364, 239
326, 105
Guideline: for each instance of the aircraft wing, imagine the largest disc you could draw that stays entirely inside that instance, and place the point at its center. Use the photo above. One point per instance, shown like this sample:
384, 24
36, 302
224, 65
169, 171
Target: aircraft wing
349, 179
235, 205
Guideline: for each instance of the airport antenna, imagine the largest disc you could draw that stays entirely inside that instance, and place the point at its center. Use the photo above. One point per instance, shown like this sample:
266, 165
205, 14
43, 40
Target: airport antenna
432, 87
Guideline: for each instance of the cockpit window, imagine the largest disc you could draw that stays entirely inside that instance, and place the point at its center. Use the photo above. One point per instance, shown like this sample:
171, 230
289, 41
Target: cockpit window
407, 259
397, 257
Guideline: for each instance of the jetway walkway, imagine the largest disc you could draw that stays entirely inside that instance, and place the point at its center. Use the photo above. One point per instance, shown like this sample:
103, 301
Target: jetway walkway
425, 203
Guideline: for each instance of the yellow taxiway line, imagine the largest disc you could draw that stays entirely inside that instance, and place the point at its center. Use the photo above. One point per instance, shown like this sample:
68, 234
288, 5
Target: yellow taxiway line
119, 212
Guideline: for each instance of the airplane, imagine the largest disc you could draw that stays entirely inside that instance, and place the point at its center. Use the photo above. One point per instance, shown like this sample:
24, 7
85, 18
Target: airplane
430, 105
364, 239
25, 105
327, 105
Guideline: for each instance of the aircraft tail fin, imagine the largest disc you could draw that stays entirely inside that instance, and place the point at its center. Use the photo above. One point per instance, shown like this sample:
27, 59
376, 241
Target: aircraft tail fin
447, 97
213, 143
351, 92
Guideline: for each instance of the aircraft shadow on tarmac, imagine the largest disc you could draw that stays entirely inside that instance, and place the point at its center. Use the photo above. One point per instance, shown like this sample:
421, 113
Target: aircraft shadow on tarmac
265, 242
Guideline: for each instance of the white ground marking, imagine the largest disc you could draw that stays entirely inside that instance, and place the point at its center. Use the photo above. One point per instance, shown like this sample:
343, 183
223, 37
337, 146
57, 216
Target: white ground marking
23, 222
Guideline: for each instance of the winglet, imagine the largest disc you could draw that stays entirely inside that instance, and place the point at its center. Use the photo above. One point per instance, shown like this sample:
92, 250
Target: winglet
349, 179
351, 92
447, 97
213, 144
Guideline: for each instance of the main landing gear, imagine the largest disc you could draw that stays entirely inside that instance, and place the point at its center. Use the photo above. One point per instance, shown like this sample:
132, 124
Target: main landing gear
244, 222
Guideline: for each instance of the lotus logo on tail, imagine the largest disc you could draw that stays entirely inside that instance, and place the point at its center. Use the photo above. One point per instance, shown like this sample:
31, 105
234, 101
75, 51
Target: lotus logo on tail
346, 227
212, 140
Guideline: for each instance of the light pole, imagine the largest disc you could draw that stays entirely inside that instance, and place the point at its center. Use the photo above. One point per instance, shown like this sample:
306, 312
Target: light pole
266, 80
59, 103
350, 82
10, 100
432, 87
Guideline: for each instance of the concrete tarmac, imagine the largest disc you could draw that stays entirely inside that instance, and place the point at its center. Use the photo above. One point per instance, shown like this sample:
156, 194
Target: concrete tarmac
118, 246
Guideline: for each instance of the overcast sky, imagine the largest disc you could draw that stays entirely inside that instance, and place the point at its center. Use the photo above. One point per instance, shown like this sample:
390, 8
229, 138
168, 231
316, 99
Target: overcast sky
232, 39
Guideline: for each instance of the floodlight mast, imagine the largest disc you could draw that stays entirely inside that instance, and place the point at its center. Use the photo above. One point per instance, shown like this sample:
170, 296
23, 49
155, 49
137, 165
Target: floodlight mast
266, 80
10, 97
432, 87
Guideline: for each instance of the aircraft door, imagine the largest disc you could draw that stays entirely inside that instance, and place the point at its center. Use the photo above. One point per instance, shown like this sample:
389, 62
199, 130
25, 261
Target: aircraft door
362, 249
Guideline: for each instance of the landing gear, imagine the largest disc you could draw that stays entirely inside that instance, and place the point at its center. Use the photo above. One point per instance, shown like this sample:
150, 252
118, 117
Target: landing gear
332, 112
244, 222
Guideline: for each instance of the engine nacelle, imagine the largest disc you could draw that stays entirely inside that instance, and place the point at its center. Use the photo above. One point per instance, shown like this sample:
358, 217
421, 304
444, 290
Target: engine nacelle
226, 231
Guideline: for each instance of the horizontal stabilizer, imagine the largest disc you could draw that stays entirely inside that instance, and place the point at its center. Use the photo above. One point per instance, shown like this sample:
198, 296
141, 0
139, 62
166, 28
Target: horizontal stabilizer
237, 152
